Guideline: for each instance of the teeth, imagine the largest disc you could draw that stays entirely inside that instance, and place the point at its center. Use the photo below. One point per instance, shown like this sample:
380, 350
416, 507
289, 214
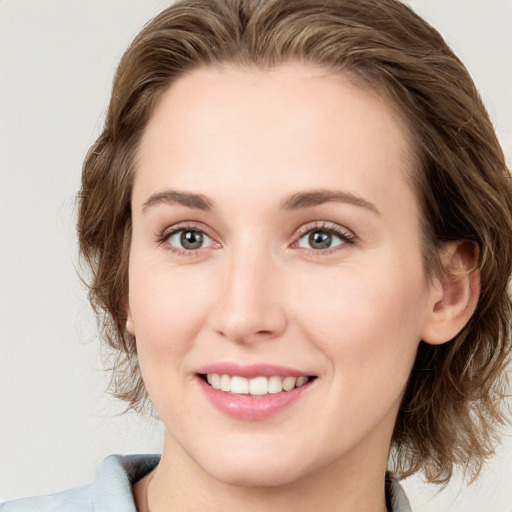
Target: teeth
215, 380
275, 384
225, 383
239, 385
289, 383
257, 386
301, 381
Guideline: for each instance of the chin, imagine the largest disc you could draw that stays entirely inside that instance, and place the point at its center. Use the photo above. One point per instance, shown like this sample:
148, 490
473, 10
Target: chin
255, 477
270, 471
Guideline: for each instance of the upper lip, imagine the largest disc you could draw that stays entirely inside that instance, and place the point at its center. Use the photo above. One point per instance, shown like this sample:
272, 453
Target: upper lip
251, 370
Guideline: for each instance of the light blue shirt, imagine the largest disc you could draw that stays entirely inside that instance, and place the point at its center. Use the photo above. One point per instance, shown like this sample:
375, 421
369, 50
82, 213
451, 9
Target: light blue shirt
111, 490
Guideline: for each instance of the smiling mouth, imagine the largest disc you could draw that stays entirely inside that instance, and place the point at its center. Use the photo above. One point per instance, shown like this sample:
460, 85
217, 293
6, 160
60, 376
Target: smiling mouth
257, 386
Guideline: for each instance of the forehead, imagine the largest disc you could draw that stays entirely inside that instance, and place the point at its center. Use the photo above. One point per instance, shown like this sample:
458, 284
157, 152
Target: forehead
260, 124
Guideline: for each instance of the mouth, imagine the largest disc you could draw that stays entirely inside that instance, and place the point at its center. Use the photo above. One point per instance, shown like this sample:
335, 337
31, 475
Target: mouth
253, 391
256, 386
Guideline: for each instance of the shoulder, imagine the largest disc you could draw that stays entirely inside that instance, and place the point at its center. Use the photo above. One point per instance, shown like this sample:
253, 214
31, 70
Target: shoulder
109, 490
395, 495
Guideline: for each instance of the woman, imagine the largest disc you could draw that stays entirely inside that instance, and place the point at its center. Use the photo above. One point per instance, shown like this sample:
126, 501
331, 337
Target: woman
299, 223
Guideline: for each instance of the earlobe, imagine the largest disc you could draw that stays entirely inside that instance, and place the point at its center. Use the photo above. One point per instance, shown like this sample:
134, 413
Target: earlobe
455, 295
130, 327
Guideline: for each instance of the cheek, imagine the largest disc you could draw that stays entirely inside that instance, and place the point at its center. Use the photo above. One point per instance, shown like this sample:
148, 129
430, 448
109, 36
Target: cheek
368, 329
168, 307
367, 322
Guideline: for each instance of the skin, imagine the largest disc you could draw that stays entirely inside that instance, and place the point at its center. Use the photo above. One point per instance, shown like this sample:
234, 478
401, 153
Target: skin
352, 315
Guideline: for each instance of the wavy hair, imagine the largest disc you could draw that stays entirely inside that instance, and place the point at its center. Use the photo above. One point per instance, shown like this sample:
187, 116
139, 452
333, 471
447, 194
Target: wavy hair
453, 404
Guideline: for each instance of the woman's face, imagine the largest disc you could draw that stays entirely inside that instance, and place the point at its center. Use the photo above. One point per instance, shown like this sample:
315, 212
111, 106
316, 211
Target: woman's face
276, 242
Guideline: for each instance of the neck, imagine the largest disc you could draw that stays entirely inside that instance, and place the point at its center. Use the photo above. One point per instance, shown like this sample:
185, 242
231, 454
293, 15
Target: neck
355, 484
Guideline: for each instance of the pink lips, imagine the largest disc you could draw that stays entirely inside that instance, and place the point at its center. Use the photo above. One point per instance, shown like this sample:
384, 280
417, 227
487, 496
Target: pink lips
251, 370
247, 407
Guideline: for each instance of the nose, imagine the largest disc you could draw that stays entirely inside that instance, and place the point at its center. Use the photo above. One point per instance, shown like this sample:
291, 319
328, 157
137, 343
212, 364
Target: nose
251, 301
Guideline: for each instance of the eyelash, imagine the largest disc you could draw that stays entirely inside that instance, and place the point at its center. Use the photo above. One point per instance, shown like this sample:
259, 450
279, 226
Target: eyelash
346, 237
163, 238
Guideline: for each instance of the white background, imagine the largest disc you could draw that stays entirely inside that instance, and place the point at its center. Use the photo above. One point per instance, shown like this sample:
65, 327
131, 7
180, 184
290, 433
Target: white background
57, 60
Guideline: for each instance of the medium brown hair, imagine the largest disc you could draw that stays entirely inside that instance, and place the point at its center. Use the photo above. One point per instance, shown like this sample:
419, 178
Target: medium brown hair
452, 405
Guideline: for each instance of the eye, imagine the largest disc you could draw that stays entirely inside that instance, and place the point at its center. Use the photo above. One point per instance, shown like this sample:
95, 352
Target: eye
319, 240
324, 238
189, 240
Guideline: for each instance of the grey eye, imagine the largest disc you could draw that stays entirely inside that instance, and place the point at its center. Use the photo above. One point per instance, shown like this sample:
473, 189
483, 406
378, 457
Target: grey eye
189, 240
319, 240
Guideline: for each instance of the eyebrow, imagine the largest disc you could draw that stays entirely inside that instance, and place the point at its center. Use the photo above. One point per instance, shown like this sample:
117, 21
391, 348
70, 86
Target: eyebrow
188, 199
298, 201
316, 197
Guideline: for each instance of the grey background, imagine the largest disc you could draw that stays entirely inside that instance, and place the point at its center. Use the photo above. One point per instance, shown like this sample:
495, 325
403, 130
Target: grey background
57, 60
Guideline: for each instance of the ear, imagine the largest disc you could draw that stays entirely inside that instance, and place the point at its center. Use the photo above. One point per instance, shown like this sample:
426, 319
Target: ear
454, 294
130, 327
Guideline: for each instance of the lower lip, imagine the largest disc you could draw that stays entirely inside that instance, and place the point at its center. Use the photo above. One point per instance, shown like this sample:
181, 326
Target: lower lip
247, 407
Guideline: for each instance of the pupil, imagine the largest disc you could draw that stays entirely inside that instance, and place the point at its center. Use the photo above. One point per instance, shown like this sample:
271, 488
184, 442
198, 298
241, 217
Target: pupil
191, 239
320, 240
